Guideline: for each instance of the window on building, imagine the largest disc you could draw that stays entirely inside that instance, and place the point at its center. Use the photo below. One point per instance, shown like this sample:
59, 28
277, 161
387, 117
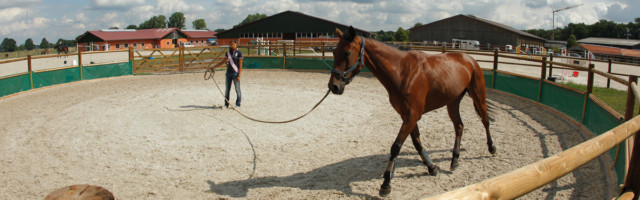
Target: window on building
135, 45
117, 46
126, 45
142, 45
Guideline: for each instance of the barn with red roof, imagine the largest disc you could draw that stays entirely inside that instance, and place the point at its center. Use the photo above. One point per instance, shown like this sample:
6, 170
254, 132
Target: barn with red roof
120, 39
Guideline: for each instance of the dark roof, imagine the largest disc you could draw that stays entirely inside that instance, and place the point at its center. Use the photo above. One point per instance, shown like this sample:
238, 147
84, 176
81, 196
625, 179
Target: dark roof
607, 50
288, 22
489, 22
143, 34
610, 41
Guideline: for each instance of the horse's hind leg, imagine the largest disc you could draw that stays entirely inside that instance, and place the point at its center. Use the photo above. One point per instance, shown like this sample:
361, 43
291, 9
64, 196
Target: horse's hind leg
415, 137
454, 115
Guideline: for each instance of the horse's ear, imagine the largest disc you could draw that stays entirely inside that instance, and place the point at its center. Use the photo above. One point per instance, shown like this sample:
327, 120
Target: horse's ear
352, 32
338, 33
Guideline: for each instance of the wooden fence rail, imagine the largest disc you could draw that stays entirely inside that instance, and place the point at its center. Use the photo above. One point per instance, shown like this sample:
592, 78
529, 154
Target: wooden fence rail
528, 178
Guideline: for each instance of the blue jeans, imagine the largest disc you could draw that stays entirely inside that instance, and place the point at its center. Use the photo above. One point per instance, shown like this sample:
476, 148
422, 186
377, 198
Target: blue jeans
236, 84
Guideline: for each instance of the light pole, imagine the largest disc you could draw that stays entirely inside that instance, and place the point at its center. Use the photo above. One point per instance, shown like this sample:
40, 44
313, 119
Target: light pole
554, 19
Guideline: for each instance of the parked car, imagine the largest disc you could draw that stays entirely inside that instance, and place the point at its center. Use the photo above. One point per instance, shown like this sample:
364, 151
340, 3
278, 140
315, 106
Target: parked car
187, 44
575, 55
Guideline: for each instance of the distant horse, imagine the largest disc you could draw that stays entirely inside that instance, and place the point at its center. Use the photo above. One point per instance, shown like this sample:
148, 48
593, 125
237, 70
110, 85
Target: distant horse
62, 49
417, 83
45, 52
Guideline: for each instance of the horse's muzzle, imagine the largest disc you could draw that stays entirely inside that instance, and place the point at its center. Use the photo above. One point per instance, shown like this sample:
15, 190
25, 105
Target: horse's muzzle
336, 87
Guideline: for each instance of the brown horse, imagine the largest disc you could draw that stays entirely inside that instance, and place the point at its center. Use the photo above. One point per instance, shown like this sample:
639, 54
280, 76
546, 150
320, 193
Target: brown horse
62, 49
417, 83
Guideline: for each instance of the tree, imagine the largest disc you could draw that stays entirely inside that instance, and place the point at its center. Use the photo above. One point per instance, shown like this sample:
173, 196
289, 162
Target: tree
402, 35
199, 24
28, 44
251, 18
219, 30
605, 29
113, 28
385, 36
177, 20
417, 25
44, 44
9, 45
571, 41
159, 21
634, 29
546, 34
132, 26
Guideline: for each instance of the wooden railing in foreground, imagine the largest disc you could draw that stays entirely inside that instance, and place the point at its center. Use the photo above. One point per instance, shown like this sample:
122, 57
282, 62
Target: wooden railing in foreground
528, 178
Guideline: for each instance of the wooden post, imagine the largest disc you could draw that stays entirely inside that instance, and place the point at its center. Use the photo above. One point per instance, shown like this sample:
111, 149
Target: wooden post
543, 76
181, 58
284, 55
131, 59
495, 68
632, 180
323, 49
80, 64
551, 65
444, 50
130, 53
628, 114
589, 90
609, 71
294, 48
30, 70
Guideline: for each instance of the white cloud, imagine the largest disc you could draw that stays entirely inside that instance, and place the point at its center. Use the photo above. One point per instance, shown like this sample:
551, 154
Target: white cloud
9, 14
116, 4
18, 3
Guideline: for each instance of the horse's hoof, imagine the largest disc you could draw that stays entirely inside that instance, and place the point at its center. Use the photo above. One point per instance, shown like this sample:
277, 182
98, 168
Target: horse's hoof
492, 150
454, 165
384, 191
433, 170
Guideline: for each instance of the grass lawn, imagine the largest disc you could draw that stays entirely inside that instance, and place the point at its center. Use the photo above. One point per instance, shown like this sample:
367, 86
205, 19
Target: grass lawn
617, 99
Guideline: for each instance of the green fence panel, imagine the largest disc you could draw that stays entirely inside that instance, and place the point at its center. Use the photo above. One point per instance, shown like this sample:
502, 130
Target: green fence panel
599, 120
14, 84
564, 100
48, 78
309, 63
107, 70
262, 63
524, 87
487, 78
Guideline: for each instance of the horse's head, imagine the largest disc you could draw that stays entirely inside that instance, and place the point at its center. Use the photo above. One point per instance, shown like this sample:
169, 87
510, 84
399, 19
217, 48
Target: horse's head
347, 60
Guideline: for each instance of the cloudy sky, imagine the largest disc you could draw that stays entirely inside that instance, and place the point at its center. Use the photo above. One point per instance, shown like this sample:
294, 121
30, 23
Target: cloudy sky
53, 19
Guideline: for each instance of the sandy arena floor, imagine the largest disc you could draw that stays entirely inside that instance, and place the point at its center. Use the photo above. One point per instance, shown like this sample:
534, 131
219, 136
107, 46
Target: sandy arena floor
167, 137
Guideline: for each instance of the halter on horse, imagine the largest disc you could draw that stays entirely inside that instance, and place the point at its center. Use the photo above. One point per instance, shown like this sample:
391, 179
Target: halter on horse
417, 83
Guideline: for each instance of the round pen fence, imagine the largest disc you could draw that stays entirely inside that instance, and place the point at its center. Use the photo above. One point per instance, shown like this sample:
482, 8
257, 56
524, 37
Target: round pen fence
610, 129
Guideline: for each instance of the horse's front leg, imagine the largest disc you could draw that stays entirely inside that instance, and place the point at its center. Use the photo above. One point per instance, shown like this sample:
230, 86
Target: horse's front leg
415, 137
405, 130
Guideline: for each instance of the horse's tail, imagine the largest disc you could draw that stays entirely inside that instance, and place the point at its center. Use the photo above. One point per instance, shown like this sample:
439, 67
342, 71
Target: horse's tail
477, 90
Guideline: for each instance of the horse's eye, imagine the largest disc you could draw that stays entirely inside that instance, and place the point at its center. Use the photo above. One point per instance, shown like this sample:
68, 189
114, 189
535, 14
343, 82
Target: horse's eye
347, 54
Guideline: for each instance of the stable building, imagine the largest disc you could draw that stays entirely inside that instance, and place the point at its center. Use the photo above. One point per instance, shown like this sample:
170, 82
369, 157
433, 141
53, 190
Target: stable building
613, 53
286, 26
612, 42
120, 39
488, 33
